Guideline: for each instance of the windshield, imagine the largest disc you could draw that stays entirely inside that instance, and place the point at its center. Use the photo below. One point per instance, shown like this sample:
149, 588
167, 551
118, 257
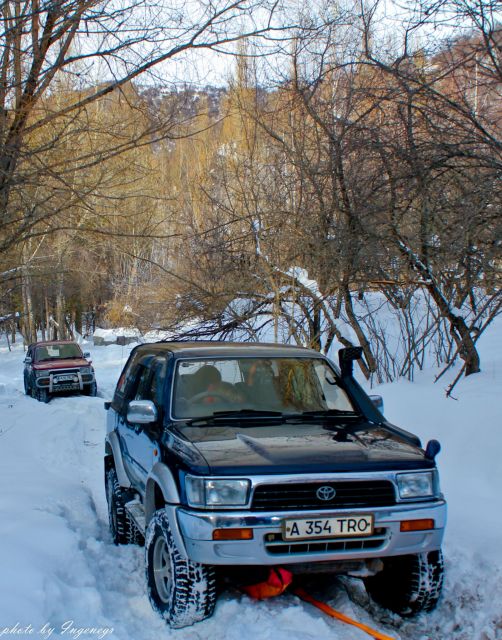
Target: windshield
285, 385
55, 351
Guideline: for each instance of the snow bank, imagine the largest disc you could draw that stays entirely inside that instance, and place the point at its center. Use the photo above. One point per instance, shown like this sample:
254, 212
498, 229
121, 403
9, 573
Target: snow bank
109, 334
470, 431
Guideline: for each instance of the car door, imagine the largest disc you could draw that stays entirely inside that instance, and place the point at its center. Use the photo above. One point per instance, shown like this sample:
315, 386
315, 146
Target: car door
128, 386
140, 442
27, 372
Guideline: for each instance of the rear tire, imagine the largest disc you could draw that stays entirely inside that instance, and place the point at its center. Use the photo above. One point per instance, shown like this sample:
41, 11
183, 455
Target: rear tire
181, 591
122, 527
408, 585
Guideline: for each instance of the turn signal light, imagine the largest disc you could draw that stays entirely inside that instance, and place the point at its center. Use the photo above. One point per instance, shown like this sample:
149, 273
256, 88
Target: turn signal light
417, 525
233, 534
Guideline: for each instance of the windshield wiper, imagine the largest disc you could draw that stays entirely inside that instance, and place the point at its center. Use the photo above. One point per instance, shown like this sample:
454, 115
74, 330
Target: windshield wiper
245, 414
235, 414
323, 413
248, 412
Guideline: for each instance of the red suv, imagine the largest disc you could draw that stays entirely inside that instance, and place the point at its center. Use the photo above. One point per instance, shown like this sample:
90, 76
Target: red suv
57, 367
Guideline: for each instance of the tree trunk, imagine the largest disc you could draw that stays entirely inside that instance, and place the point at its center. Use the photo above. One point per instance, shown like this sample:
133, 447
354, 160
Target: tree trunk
459, 331
29, 330
315, 339
61, 329
458, 328
78, 319
60, 308
363, 341
47, 318
42, 325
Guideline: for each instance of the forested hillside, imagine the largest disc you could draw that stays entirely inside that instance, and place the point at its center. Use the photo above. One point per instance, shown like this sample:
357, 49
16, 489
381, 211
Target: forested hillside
355, 169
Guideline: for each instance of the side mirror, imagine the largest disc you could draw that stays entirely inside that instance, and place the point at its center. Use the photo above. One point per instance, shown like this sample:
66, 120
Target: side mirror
141, 412
87, 354
377, 402
27, 360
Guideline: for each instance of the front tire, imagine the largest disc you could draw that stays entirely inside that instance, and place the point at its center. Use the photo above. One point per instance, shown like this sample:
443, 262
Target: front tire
181, 591
91, 390
42, 395
122, 528
408, 585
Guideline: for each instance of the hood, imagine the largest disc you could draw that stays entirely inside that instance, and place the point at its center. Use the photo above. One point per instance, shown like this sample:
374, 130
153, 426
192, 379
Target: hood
234, 449
70, 363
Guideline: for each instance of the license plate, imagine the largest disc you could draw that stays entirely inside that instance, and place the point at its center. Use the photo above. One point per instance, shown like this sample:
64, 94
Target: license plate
65, 378
337, 527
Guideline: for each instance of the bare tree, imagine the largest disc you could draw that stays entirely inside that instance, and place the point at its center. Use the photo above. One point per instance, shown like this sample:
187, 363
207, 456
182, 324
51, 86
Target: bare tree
440, 151
388, 179
61, 63
85, 41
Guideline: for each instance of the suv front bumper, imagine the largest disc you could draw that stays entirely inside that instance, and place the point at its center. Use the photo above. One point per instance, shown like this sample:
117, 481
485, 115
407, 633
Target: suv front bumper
52, 381
268, 548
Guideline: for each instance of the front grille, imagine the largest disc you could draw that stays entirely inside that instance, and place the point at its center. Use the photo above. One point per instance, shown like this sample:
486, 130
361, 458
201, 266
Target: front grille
64, 372
275, 545
300, 496
58, 372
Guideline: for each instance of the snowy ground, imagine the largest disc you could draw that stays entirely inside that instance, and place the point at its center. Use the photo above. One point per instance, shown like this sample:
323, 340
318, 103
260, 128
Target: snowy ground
60, 575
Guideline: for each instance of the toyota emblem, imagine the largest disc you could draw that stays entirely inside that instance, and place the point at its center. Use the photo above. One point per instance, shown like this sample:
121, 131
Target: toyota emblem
325, 493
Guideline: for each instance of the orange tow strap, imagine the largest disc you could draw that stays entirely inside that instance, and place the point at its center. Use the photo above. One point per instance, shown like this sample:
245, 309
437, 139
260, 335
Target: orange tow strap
303, 595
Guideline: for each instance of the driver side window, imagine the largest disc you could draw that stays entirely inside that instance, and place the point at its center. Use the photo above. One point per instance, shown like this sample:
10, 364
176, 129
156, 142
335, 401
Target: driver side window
151, 382
142, 384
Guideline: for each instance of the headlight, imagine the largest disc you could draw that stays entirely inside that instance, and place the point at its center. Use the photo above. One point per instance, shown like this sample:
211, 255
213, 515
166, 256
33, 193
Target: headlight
40, 373
417, 485
85, 370
204, 492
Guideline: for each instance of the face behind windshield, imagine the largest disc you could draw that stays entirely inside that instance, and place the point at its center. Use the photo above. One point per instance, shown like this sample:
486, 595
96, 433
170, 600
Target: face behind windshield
285, 385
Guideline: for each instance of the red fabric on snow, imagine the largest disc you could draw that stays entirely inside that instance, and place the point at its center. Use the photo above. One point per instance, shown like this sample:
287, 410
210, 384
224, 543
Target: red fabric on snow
277, 582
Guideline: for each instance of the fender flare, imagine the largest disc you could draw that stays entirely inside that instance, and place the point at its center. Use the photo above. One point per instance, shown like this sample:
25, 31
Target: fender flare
162, 477
112, 442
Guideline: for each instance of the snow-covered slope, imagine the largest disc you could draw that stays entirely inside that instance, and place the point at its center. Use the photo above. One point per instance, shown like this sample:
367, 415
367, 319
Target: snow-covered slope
59, 570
